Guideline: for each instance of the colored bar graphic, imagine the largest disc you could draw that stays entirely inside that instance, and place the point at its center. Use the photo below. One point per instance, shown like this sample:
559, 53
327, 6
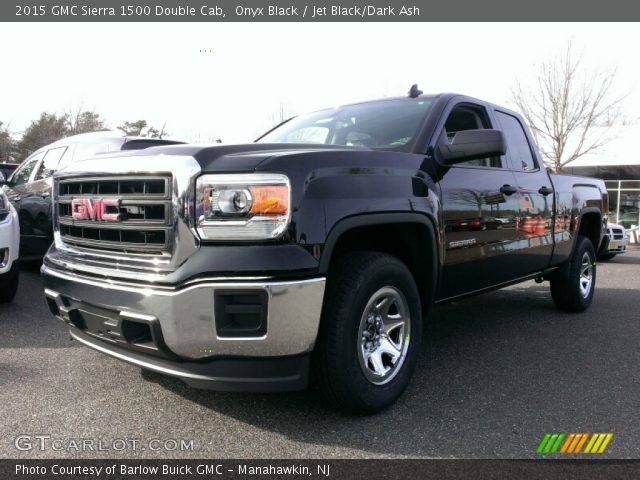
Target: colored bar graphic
567, 442
596, 446
572, 443
591, 442
547, 448
543, 442
605, 443
581, 443
556, 445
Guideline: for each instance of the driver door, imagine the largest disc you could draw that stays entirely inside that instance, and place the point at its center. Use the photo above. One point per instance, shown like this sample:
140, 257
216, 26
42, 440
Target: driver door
479, 212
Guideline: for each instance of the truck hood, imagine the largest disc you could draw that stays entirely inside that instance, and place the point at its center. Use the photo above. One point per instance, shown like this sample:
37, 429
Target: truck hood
218, 158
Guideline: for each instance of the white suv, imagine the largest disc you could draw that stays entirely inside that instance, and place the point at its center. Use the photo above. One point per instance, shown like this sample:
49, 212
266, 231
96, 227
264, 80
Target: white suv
618, 241
9, 246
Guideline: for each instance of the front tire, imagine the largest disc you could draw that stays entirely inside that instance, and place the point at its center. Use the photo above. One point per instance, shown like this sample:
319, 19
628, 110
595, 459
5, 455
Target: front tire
370, 332
9, 283
572, 288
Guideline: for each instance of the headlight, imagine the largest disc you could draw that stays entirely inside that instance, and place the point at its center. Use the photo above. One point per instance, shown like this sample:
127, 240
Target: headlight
242, 207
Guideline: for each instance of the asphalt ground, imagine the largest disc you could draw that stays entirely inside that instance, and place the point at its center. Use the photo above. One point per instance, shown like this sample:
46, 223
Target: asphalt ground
495, 374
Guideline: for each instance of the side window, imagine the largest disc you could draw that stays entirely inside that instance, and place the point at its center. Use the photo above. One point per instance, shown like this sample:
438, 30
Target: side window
50, 162
518, 147
469, 118
23, 173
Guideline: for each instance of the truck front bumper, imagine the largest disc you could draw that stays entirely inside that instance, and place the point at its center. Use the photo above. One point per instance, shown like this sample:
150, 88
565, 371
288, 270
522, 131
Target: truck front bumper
252, 346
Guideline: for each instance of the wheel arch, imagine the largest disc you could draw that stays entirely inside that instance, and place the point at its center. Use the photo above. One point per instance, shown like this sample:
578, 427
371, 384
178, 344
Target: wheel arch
590, 225
411, 237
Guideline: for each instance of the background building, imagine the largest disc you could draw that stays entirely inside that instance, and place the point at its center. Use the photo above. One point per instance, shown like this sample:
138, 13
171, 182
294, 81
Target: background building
618, 165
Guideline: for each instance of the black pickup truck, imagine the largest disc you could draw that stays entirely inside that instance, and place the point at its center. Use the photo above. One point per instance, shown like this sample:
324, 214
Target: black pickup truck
320, 248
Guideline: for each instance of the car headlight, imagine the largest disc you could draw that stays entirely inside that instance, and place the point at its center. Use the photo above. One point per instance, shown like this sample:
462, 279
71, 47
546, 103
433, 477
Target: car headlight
251, 206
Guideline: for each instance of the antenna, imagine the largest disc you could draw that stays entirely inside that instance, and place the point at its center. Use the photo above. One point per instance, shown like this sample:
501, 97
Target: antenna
414, 91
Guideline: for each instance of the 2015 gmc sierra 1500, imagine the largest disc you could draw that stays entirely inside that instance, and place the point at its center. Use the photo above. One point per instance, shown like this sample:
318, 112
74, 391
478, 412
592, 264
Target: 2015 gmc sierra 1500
320, 248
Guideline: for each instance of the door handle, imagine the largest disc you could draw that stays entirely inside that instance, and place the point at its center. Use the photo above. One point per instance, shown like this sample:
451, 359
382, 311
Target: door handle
508, 189
545, 191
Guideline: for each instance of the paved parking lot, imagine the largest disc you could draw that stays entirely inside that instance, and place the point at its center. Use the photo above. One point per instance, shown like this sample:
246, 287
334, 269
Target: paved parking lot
496, 373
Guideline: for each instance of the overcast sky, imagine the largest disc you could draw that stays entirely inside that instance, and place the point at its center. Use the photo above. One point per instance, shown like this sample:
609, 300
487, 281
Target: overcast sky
233, 89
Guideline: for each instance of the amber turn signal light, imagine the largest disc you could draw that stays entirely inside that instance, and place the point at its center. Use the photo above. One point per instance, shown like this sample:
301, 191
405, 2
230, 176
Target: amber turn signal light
269, 200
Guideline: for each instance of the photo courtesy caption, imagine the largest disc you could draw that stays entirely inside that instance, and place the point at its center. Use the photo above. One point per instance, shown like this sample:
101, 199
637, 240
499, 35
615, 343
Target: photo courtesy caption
96, 471
217, 469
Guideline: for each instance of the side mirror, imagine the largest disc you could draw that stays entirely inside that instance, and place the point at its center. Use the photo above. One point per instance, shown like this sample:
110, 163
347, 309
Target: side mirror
3, 179
473, 144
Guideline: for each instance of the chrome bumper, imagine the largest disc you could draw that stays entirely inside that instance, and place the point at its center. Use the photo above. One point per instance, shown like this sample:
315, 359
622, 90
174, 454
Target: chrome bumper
265, 374
184, 317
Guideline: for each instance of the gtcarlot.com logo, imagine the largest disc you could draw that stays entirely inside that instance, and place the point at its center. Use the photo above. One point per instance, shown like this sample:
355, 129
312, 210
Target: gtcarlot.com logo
26, 443
574, 443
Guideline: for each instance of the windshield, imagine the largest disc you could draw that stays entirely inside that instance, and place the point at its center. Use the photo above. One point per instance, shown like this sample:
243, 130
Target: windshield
381, 125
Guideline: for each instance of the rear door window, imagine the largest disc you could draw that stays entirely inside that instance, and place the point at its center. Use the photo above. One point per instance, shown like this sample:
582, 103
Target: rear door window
518, 148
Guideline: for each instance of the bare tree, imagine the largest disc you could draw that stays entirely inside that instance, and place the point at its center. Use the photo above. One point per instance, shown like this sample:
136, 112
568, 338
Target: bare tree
140, 128
84, 121
467, 196
7, 144
43, 131
570, 111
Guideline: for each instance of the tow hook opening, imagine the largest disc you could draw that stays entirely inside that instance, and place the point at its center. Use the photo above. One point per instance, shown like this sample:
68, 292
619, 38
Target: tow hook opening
53, 306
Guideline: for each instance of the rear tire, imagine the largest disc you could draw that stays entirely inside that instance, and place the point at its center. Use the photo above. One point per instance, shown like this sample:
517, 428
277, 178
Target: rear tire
370, 332
572, 288
9, 283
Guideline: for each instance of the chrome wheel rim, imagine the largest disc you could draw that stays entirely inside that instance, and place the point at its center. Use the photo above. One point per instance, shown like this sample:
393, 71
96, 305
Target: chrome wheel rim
586, 275
384, 334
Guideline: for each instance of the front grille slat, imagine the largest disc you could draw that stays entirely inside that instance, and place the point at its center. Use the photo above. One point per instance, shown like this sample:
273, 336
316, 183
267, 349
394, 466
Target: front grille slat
152, 187
143, 205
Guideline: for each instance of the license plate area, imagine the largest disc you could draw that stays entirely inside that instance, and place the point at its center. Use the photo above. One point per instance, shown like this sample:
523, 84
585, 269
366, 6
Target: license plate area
99, 325
126, 329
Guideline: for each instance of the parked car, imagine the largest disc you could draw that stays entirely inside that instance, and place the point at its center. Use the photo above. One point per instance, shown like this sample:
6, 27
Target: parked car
29, 187
617, 242
242, 267
6, 169
484, 223
9, 249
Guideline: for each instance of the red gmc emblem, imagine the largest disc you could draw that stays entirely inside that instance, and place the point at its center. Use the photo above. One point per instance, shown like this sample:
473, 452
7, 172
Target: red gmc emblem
95, 209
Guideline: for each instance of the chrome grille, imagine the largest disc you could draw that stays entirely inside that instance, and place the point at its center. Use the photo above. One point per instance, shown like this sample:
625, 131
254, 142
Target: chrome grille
123, 187
142, 205
618, 233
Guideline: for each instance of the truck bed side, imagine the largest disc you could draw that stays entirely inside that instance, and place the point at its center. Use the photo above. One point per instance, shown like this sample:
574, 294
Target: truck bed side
580, 204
